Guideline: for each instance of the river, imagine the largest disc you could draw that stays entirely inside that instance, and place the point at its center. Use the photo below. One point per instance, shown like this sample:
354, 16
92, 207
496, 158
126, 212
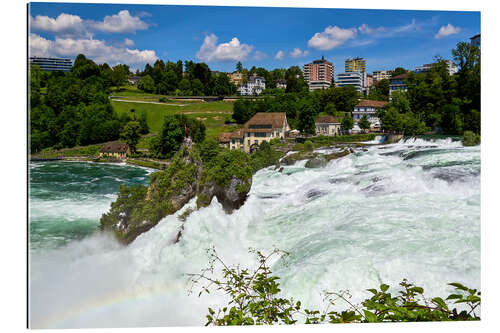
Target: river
406, 210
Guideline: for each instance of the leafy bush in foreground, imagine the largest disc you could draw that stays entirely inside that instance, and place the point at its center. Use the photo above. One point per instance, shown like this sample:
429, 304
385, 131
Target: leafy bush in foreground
255, 300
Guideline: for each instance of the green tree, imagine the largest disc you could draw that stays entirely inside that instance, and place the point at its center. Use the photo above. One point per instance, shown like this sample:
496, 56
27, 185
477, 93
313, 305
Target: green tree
242, 111
197, 87
364, 123
131, 133
169, 140
170, 81
347, 123
331, 110
305, 123
239, 67
392, 121
466, 56
294, 80
185, 86
146, 84
400, 101
398, 71
119, 75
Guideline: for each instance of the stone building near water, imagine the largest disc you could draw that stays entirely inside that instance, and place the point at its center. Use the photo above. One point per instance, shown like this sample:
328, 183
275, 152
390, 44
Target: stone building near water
327, 125
115, 149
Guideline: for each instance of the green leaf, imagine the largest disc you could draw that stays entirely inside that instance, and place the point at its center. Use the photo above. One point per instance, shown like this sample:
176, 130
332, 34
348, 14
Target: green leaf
418, 290
458, 286
454, 296
370, 317
439, 301
373, 291
384, 287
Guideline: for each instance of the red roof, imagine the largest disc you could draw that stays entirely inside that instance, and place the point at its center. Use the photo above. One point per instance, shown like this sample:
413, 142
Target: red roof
327, 120
261, 120
224, 137
114, 147
399, 77
238, 134
370, 103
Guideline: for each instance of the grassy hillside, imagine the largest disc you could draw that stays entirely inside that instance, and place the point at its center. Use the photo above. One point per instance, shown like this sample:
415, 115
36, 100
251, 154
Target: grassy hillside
213, 114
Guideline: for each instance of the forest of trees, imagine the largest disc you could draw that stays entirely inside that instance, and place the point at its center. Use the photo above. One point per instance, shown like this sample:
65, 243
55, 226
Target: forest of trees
70, 109
436, 100
196, 79
188, 79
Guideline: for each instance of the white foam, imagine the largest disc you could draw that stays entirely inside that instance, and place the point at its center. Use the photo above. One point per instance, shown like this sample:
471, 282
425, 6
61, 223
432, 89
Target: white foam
364, 219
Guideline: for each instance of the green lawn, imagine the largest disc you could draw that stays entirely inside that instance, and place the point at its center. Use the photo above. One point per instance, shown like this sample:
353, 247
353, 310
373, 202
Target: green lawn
213, 114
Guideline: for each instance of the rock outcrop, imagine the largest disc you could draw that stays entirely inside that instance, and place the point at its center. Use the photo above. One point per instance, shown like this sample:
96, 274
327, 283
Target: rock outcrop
138, 208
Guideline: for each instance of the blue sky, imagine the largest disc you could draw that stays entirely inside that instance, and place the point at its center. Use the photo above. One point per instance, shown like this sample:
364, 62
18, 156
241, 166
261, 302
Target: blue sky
265, 37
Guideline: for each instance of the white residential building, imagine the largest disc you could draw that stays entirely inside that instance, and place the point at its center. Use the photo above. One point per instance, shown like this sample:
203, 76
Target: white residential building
369, 109
254, 86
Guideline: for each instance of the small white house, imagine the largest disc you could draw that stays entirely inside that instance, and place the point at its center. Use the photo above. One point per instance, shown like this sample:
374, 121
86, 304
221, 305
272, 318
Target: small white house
327, 125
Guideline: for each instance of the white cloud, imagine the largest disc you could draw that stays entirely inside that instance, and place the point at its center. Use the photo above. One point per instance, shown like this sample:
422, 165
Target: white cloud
280, 55
297, 53
94, 49
67, 25
258, 55
129, 42
231, 51
408, 27
331, 37
64, 24
367, 30
122, 22
447, 30
39, 46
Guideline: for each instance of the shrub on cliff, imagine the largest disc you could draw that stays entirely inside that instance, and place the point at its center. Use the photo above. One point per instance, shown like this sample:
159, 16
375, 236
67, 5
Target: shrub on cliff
308, 145
226, 165
471, 139
265, 156
254, 299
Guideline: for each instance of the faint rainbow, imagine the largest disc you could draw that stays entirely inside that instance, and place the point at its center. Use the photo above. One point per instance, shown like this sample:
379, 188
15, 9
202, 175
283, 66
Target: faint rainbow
98, 304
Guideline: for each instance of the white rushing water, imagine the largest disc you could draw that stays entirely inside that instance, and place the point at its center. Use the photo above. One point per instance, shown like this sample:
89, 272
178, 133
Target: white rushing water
408, 210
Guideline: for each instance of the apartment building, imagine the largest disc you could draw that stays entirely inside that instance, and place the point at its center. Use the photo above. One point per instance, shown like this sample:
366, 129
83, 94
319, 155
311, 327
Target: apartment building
426, 68
381, 75
356, 79
398, 83
355, 65
51, 64
319, 74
